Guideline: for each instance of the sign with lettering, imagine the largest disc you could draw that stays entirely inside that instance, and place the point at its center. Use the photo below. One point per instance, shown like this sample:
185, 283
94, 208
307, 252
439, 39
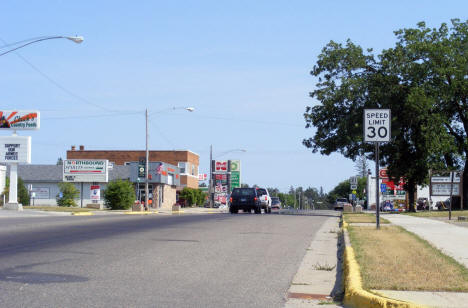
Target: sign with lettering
19, 120
40, 192
15, 149
446, 178
85, 170
377, 125
444, 189
95, 192
221, 165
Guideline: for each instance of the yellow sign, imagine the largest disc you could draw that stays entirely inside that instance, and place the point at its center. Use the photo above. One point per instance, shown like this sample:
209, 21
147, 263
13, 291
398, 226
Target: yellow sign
354, 192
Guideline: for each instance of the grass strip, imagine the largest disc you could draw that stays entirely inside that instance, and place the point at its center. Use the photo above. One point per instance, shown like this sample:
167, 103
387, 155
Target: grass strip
58, 209
394, 259
362, 218
437, 213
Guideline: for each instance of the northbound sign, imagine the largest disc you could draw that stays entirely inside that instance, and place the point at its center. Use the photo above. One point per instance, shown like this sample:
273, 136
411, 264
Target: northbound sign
377, 125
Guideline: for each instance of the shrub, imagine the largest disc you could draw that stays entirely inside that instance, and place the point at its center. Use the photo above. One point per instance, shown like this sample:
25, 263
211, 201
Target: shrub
193, 196
119, 195
68, 194
22, 192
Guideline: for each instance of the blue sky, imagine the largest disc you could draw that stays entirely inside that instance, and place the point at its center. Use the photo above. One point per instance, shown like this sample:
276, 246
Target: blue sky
244, 66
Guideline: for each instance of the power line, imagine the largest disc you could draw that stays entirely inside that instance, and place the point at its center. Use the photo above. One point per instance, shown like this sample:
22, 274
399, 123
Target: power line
55, 83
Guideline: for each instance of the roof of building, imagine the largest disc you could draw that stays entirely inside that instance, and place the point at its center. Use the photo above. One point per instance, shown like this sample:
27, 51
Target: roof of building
54, 173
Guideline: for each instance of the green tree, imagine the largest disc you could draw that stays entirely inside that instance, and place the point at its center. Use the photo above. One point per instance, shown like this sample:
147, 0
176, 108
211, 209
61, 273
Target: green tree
439, 59
350, 81
193, 196
286, 199
362, 165
119, 195
68, 194
342, 190
273, 191
22, 191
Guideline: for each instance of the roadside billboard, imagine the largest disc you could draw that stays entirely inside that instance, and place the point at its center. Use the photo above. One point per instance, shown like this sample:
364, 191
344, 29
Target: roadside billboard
19, 120
85, 170
15, 149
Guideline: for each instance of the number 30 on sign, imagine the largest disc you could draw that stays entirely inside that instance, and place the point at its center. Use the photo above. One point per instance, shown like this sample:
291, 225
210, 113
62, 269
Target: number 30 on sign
377, 125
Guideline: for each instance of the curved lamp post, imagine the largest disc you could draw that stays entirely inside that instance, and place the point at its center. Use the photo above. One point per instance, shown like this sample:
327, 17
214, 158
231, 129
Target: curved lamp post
13, 202
190, 109
76, 39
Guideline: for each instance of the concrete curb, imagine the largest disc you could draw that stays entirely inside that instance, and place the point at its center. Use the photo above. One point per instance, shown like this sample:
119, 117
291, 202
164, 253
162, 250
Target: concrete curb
140, 213
355, 295
82, 213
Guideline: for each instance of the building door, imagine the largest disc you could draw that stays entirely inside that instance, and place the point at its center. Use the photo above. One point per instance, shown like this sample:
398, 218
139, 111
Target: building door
141, 192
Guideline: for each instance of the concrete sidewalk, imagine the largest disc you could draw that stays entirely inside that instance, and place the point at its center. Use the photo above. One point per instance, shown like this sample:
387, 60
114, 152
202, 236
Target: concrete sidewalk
450, 239
313, 286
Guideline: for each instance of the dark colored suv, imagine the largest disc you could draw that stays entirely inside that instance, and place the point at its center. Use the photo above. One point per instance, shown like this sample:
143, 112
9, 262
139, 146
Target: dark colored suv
245, 199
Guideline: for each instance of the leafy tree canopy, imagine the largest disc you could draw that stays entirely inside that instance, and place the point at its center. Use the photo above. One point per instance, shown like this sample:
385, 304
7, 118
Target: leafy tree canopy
422, 79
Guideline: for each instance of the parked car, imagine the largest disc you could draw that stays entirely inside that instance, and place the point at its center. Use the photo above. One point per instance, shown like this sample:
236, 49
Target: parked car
340, 203
443, 205
245, 199
275, 203
265, 199
422, 204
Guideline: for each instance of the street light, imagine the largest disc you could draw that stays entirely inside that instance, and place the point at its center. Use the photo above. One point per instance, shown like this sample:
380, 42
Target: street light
76, 39
190, 109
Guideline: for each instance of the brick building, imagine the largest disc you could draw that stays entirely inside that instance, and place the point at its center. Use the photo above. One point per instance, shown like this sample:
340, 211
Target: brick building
187, 161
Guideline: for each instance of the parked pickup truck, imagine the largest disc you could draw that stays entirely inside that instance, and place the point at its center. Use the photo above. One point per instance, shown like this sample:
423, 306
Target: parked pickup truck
340, 203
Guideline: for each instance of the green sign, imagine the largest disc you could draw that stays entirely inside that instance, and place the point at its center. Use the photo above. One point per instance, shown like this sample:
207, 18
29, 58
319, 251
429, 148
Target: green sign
235, 179
235, 165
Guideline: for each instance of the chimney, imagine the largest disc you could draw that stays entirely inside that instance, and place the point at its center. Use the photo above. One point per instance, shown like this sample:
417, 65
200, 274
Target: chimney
73, 148
81, 147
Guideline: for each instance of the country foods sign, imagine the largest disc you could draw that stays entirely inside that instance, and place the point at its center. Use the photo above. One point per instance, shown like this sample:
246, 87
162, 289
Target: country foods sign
19, 120
85, 170
15, 149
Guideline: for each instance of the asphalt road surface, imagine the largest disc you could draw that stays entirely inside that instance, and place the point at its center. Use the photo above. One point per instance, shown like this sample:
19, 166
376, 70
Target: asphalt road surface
210, 260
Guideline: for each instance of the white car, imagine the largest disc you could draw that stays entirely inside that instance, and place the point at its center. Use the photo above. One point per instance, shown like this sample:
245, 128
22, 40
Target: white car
265, 199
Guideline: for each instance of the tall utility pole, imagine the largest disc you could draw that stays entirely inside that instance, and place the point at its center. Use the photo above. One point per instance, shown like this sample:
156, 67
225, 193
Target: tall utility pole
211, 177
146, 163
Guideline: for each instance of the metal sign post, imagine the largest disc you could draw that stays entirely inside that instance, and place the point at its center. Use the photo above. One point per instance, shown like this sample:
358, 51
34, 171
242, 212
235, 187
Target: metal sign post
377, 203
377, 129
451, 193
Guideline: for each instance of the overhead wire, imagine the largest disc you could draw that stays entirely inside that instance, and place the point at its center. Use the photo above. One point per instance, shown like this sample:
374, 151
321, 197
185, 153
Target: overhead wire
55, 83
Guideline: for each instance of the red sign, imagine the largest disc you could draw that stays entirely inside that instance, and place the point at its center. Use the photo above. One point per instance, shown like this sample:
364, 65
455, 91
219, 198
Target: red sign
392, 186
221, 165
221, 177
383, 173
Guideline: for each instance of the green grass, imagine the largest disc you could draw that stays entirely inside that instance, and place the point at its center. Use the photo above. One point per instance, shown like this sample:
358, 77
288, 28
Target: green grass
437, 213
58, 209
362, 218
394, 259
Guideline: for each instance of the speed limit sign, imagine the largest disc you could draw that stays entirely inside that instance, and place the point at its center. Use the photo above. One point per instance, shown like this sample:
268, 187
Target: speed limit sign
377, 125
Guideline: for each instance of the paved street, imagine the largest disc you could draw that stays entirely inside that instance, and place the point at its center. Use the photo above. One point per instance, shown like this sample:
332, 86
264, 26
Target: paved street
211, 260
